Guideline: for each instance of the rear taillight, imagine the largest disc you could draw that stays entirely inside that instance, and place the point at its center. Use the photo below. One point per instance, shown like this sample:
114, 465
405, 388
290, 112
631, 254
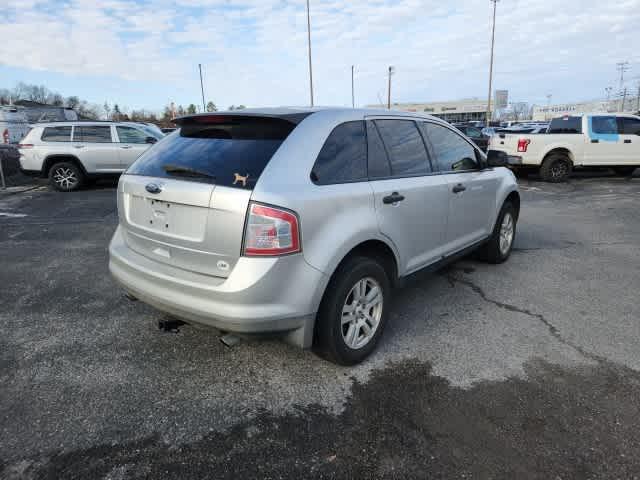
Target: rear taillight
5, 135
523, 143
25, 145
271, 231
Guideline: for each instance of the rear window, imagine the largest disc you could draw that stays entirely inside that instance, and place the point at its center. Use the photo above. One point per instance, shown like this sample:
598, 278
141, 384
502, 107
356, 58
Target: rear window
566, 125
231, 152
56, 134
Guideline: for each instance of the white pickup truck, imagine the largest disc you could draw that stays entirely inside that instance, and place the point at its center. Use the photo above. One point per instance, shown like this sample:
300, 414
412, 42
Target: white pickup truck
599, 140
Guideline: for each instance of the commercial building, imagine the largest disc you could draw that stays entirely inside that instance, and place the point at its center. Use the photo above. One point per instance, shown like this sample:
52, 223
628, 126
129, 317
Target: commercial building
472, 109
547, 112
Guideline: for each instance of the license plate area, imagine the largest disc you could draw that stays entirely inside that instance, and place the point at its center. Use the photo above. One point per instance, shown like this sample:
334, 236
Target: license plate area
168, 219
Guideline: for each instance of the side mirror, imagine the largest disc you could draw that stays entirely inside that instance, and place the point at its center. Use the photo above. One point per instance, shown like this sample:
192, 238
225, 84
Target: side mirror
151, 140
496, 158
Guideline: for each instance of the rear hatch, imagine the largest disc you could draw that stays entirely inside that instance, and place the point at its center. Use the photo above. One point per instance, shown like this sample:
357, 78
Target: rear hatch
184, 201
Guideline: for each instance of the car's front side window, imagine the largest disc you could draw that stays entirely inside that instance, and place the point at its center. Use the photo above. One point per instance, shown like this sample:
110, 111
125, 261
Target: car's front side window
604, 125
131, 135
343, 157
453, 153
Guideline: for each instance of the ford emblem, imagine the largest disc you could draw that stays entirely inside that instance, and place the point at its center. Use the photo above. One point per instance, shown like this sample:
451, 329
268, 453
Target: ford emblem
153, 188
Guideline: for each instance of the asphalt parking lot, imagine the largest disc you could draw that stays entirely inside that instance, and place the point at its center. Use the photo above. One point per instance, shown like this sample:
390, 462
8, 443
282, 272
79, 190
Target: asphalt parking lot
530, 369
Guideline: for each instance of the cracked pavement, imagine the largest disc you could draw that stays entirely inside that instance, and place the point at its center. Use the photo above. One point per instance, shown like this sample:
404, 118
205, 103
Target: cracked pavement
523, 370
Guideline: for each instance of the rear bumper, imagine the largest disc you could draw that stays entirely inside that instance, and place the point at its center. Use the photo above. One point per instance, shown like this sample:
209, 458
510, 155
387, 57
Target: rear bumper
260, 295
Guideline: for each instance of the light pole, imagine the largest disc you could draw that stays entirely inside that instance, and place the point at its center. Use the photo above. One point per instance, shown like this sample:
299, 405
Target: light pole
204, 108
493, 35
391, 72
353, 96
309, 44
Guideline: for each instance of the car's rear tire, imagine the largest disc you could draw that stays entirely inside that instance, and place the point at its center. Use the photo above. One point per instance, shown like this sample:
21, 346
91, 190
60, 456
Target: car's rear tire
624, 171
353, 311
66, 177
556, 168
498, 248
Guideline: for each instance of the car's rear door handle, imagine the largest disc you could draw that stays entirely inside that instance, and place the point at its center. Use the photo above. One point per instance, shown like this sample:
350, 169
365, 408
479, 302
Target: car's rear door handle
459, 188
78, 146
627, 141
125, 146
395, 197
595, 140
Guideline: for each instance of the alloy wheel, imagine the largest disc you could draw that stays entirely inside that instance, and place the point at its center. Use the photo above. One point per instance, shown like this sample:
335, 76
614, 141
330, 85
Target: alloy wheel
506, 233
361, 313
65, 178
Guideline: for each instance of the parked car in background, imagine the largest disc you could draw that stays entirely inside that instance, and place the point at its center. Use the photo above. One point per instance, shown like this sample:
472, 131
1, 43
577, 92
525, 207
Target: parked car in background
301, 221
475, 134
598, 140
167, 131
13, 124
69, 153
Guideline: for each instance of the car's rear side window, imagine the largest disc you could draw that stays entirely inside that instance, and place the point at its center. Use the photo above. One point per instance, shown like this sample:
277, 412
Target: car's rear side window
629, 125
404, 145
92, 134
378, 160
225, 150
566, 125
56, 134
343, 157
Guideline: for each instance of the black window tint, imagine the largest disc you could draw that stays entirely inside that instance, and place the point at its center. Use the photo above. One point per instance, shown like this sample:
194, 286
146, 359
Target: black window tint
377, 157
343, 157
404, 146
630, 126
231, 152
452, 152
132, 135
92, 134
566, 125
56, 134
604, 125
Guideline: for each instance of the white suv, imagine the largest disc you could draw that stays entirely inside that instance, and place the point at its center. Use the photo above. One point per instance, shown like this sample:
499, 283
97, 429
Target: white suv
69, 153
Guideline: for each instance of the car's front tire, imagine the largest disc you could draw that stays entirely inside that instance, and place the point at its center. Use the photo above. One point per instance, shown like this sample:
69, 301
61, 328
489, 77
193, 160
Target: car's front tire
498, 248
353, 311
66, 177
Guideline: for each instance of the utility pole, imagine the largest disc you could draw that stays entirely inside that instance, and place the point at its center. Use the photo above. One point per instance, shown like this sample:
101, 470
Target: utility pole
391, 72
548, 106
493, 36
353, 96
638, 99
204, 108
624, 98
622, 67
309, 44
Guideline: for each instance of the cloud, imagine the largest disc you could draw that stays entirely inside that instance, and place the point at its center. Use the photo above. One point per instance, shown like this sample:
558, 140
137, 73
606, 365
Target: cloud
254, 51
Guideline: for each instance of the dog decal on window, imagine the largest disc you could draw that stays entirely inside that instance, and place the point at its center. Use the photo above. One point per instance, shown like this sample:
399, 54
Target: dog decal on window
237, 178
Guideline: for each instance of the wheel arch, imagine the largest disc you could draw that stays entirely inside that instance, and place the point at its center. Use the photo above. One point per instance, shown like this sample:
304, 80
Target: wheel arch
51, 160
561, 151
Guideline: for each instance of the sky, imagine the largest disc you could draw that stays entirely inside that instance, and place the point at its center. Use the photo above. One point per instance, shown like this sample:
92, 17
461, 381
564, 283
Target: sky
145, 53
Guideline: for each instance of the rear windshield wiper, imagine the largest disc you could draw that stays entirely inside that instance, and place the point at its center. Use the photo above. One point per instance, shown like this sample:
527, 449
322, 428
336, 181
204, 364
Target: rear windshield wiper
186, 171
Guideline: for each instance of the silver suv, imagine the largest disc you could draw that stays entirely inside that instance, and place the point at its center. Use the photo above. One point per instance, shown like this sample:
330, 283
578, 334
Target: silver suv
301, 222
69, 153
